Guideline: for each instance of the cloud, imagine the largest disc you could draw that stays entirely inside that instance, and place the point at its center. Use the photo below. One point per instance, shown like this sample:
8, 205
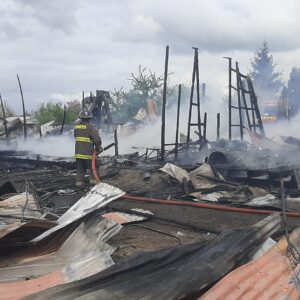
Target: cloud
217, 25
66, 46
54, 14
23, 18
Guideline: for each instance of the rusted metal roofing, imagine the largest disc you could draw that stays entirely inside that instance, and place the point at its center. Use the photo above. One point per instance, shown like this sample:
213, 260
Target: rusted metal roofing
100, 195
122, 218
6, 229
179, 272
84, 253
19, 232
21, 205
25, 288
268, 277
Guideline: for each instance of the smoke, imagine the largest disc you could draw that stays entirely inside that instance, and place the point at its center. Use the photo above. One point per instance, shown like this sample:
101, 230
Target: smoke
284, 128
149, 135
58, 146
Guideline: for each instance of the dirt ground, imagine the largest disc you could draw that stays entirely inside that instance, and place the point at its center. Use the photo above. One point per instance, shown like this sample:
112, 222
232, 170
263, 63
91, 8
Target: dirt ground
170, 225
153, 235
158, 185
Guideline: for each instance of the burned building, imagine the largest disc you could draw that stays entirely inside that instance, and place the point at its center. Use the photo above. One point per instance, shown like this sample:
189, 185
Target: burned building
194, 219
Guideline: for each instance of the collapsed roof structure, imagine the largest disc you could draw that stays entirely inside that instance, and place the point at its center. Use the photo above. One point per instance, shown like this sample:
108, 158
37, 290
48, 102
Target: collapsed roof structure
193, 219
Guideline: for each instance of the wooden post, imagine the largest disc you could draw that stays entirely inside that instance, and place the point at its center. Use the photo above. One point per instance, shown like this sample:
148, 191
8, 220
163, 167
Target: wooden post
116, 142
205, 126
63, 120
239, 99
177, 121
229, 97
23, 105
198, 94
191, 99
4, 117
83, 100
164, 101
218, 126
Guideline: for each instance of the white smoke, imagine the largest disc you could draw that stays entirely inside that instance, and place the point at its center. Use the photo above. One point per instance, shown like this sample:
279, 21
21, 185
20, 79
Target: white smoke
58, 146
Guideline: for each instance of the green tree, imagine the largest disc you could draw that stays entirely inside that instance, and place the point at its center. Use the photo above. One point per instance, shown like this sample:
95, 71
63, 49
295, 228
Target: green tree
267, 81
293, 90
73, 109
51, 111
144, 85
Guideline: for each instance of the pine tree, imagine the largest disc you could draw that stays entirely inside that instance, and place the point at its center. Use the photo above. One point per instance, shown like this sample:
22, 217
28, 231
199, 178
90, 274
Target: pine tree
293, 90
267, 81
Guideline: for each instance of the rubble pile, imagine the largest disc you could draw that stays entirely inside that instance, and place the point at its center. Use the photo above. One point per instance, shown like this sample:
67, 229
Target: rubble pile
193, 219
181, 227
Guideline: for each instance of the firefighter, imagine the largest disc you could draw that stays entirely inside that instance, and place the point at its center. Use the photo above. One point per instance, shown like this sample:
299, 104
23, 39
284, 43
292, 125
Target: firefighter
87, 140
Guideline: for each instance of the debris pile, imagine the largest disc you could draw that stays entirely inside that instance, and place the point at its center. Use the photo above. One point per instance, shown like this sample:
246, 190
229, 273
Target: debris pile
180, 228
193, 219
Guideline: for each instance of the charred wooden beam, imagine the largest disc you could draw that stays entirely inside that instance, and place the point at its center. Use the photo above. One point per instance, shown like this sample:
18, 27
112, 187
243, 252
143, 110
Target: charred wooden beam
83, 106
116, 142
177, 121
239, 100
218, 126
164, 101
4, 117
63, 120
23, 106
229, 96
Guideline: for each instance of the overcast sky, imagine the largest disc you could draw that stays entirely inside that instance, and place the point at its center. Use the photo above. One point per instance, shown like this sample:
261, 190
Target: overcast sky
61, 47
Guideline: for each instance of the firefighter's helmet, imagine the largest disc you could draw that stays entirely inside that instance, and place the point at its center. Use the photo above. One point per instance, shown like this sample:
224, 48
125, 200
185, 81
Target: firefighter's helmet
85, 114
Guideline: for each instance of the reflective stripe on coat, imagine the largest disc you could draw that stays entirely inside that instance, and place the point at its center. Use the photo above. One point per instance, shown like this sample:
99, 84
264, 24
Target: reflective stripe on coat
86, 139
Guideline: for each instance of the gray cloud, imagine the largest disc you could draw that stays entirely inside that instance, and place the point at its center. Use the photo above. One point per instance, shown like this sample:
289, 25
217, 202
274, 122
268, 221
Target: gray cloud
218, 25
55, 14
26, 17
64, 46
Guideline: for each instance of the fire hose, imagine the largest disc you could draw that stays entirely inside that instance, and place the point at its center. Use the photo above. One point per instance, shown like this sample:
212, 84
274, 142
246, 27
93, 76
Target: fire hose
191, 204
94, 169
208, 206
94, 157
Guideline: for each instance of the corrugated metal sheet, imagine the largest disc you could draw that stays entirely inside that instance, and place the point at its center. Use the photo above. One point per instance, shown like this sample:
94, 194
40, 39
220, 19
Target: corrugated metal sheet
100, 195
268, 277
174, 273
122, 218
15, 205
22, 232
6, 229
25, 288
83, 254
12, 123
175, 172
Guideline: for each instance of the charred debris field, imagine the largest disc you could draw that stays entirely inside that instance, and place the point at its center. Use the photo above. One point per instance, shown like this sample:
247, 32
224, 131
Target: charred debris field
190, 218
197, 218
223, 208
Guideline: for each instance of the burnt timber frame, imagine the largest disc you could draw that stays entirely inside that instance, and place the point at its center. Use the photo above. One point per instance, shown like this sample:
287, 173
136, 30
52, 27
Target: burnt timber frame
246, 103
99, 108
198, 124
